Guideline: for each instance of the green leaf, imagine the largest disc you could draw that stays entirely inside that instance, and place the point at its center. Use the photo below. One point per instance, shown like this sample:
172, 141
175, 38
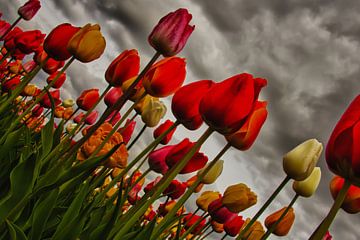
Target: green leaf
58, 133
145, 234
47, 131
15, 232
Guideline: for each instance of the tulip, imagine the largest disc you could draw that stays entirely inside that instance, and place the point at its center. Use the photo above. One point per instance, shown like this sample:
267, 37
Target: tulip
284, 226
246, 135
70, 127
227, 105
191, 181
87, 44
113, 118
15, 67
91, 119
166, 208
207, 197
37, 111
4, 27
219, 212
217, 227
68, 112
59, 111
88, 99
157, 159
351, 203
68, 102
327, 236
299, 163
29, 66
60, 80
124, 67
29, 90
11, 84
232, 227
185, 103
127, 130
150, 214
238, 197
177, 153
9, 39
46, 102
51, 65
192, 219
255, 232
171, 33
175, 190
137, 93
27, 42
165, 77
29, 9
150, 185
163, 128
153, 112
211, 176
113, 96
307, 187
342, 150
79, 118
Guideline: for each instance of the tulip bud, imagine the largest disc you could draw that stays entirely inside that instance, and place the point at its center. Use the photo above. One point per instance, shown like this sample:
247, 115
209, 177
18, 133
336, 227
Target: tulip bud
191, 181
219, 212
37, 111
163, 128
351, 202
113, 96
88, 99
300, 162
238, 197
67, 113
175, 190
153, 112
211, 176
68, 102
91, 119
284, 226
137, 92
29, 90
232, 227
70, 127
59, 111
141, 105
27, 42
87, 44
191, 219
29, 9
157, 159
127, 130
171, 33
307, 187
255, 232
29, 66
15, 67
11, 84
217, 227
207, 197
59, 82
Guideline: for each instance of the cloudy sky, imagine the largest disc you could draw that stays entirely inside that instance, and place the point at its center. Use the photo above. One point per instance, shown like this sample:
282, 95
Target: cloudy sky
308, 50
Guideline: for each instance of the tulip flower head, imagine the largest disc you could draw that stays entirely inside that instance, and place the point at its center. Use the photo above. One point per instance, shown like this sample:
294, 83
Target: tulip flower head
59, 81
163, 128
299, 163
232, 227
113, 96
219, 212
127, 130
207, 197
217, 227
29, 9
153, 112
351, 203
307, 187
255, 232
157, 159
171, 33
284, 226
191, 219
238, 197
68, 102
88, 99
215, 171
27, 42
175, 190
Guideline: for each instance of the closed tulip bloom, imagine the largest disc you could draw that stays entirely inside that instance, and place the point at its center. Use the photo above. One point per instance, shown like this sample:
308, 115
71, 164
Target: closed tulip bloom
70, 127
157, 159
127, 130
207, 197
342, 150
175, 190
27, 42
238, 197
232, 227
141, 105
307, 187
9, 40
213, 174
124, 67
137, 93
15, 67
163, 128
88, 99
4, 27
284, 226
165, 77
29, 9
87, 44
165, 208
113, 96
46, 102
29, 90
227, 105
177, 153
59, 82
68, 113
217, 227
59, 111
91, 119
68, 102
55, 44
244, 138
29, 66
219, 212
191, 181
255, 232
150, 185
171, 33
300, 162
351, 203
79, 117
191, 219
113, 118
153, 112
11, 84
37, 111
185, 103
51, 65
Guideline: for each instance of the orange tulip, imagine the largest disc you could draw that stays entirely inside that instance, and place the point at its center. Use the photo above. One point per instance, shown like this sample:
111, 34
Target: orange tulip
284, 226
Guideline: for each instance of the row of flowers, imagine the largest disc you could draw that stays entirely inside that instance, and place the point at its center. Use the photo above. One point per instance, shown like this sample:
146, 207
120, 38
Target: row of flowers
54, 186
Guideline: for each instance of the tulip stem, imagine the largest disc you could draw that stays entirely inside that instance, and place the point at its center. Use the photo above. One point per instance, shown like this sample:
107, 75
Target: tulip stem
137, 136
206, 235
11, 27
262, 209
321, 230
224, 236
72, 115
274, 225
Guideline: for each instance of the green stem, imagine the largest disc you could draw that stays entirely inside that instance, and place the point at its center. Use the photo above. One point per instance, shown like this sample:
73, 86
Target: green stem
137, 136
224, 236
206, 235
321, 230
72, 115
262, 209
274, 225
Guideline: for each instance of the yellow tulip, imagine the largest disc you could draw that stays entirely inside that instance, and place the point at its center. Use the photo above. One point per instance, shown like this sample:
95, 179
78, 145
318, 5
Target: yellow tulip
68, 102
206, 198
211, 176
153, 112
238, 197
299, 163
307, 187
255, 232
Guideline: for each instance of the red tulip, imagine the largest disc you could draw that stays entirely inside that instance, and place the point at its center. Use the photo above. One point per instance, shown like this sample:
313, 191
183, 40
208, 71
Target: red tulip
327, 236
227, 104
55, 44
162, 128
127, 131
27, 42
79, 117
177, 153
11, 84
59, 82
113, 96
185, 103
29, 9
157, 159
91, 119
29, 66
51, 65
132, 196
246, 135
45, 101
342, 150
351, 203
165, 77
192, 219
150, 185
37, 110
113, 118
9, 40
88, 99
220, 213
4, 27
124, 67
232, 227
171, 33
175, 190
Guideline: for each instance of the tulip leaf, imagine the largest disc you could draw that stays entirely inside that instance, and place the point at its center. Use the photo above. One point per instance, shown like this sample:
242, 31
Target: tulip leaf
15, 232
58, 133
145, 234
47, 131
